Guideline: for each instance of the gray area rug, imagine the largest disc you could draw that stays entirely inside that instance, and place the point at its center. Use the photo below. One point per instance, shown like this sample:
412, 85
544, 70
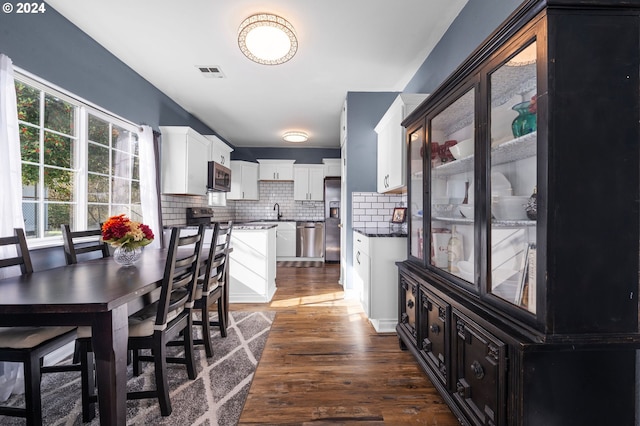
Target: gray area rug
215, 397
300, 264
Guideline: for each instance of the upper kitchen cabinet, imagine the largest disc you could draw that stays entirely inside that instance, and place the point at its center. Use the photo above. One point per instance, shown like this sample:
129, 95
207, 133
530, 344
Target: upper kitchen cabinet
524, 238
308, 182
343, 123
185, 154
332, 167
391, 140
219, 151
276, 169
244, 181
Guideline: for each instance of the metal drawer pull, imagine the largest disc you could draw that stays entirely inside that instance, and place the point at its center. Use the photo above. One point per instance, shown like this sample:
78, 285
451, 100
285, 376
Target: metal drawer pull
477, 370
410, 304
434, 328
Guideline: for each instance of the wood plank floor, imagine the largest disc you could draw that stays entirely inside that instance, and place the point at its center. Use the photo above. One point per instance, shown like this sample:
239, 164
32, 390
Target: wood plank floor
325, 364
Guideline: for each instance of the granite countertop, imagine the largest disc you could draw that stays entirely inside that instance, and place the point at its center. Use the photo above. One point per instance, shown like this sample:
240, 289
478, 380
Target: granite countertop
381, 232
253, 227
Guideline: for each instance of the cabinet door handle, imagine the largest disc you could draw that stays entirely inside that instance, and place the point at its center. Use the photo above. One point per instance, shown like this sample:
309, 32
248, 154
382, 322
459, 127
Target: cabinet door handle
410, 304
477, 369
358, 258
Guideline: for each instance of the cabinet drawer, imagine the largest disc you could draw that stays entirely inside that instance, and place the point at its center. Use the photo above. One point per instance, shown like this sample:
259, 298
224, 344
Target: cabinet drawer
479, 363
360, 243
435, 319
408, 297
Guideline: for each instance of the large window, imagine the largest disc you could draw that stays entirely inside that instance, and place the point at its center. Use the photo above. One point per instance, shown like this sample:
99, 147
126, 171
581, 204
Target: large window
79, 164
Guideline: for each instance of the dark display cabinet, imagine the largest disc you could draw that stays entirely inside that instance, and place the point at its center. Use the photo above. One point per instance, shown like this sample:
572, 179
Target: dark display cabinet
519, 297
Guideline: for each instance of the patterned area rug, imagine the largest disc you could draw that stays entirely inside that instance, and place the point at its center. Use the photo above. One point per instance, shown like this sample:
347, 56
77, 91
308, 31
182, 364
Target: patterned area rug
300, 264
215, 397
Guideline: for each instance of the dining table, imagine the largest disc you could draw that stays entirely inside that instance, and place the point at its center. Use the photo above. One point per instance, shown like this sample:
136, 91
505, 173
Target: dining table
98, 293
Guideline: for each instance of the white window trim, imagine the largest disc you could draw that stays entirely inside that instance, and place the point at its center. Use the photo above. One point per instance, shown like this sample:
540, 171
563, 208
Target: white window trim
85, 108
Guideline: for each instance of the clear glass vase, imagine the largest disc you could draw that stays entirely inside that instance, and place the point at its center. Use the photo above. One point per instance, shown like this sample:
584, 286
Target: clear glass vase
127, 256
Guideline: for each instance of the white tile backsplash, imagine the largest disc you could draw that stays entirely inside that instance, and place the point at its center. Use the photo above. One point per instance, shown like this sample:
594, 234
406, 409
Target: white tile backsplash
373, 210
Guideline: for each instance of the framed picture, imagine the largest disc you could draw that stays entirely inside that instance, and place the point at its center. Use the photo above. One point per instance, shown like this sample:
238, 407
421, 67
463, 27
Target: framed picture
399, 215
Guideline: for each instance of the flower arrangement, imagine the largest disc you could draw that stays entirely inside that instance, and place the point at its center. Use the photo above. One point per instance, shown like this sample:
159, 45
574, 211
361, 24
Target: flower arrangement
120, 231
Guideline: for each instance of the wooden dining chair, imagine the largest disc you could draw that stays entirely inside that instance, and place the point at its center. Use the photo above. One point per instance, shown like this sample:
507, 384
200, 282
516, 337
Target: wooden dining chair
29, 345
211, 286
81, 243
155, 325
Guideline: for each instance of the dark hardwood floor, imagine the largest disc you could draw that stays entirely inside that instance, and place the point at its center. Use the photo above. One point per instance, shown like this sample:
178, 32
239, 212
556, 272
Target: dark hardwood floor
325, 364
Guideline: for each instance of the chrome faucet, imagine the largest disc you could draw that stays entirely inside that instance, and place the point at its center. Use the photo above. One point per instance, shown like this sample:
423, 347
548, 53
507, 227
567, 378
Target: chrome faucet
276, 205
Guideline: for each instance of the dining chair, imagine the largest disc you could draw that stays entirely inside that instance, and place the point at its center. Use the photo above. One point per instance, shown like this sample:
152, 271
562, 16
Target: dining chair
82, 244
211, 286
29, 345
79, 243
155, 325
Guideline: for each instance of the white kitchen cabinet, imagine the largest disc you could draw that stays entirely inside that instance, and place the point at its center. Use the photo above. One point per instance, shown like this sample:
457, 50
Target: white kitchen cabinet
376, 277
252, 264
332, 167
391, 142
285, 239
244, 181
185, 153
276, 169
343, 123
308, 182
219, 151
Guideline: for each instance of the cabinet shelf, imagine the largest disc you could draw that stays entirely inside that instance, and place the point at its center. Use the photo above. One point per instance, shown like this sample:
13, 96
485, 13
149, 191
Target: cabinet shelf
513, 150
495, 223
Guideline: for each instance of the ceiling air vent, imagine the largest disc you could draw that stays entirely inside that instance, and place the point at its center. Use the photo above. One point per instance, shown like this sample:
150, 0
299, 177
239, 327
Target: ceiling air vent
210, 71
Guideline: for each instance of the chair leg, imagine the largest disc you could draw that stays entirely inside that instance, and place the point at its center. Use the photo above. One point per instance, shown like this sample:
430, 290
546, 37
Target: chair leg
32, 392
206, 329
188, 348
88, 381
222, 317
162, 384
137, 364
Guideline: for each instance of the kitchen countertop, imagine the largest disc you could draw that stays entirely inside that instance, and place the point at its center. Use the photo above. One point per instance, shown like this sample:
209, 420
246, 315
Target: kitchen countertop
381, 232
253, 226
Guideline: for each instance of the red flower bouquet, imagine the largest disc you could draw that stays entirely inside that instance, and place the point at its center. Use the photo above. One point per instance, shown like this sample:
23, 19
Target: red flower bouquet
120, 231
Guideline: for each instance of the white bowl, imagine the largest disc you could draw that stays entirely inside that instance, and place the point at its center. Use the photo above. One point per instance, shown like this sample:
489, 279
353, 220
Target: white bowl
462, 149
509, 207
466, 210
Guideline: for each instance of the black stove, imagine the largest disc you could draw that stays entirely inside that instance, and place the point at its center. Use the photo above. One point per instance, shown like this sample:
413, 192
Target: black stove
199, 215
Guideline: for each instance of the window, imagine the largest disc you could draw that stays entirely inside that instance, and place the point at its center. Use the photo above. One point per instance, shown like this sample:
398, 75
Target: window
79, 164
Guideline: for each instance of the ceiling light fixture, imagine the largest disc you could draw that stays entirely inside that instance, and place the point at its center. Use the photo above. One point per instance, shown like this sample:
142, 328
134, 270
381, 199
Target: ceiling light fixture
295, 136
267, 39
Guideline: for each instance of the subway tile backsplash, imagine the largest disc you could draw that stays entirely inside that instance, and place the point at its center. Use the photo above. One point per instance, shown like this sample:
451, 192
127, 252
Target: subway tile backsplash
281, 193
174, 206
374, 210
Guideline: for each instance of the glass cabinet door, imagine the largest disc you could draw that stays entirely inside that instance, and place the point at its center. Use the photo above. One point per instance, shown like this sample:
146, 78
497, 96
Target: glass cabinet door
513, 179
416, 193
451, 197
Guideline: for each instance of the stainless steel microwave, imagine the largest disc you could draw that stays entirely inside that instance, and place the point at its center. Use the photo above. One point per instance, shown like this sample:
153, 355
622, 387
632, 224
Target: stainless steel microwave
219, 178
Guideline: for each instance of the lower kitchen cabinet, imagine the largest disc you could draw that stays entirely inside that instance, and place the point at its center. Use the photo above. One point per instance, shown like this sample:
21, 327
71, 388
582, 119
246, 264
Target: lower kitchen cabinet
491, 373
376, 278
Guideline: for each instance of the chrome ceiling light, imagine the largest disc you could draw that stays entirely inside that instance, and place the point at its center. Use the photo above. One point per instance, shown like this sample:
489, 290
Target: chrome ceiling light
295, 136
267, 39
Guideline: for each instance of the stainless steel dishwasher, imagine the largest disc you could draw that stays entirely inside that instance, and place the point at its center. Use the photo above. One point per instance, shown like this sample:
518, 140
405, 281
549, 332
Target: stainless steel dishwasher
309, 239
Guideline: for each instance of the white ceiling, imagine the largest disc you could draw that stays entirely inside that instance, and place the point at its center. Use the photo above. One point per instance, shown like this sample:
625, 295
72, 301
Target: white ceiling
344, 45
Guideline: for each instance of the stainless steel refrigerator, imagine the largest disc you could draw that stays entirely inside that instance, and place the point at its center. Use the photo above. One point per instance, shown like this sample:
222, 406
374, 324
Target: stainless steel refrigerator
332, 219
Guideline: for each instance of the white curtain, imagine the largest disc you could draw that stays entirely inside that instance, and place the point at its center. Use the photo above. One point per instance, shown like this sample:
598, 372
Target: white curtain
148, 185
10, 193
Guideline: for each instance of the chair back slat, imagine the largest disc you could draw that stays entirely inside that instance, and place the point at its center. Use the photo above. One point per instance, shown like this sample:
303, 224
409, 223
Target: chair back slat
217, 258
22, 257
73, 244
180, 274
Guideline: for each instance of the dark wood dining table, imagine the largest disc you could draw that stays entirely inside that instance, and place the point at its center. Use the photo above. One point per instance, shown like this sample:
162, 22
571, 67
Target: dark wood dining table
98, 293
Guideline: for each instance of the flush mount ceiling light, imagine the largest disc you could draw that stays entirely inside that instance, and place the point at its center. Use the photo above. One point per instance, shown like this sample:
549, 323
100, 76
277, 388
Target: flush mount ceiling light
267, 39
295, 136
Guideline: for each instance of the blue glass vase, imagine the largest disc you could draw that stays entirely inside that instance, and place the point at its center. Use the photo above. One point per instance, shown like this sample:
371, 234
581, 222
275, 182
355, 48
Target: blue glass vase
525, 122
